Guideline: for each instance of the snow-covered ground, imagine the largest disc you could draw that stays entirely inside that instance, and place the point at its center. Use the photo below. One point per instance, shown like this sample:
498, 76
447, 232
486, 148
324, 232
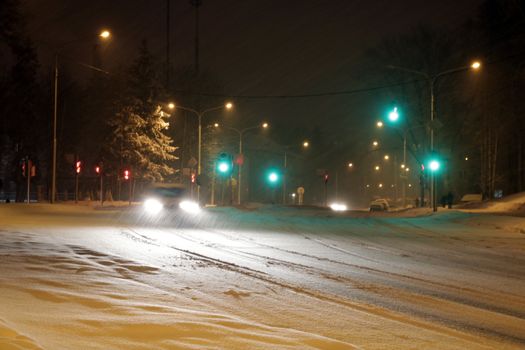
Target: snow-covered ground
74, 277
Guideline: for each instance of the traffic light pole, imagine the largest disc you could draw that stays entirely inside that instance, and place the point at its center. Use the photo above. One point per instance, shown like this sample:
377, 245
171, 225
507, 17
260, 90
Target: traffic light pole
54, 161
284, 176
213, 184
28, 173
240, 164
199, 156
432, 176
76, 188
101, 184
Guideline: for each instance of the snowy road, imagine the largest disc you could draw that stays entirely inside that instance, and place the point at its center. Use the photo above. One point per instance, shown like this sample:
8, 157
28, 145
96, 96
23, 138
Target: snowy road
77, 278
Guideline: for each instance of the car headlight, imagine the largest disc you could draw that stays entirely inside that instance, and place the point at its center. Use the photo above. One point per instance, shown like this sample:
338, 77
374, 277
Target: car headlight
338, 207
153, 206
190, 207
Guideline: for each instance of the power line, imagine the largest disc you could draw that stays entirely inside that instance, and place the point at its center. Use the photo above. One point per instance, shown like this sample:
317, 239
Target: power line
321, 94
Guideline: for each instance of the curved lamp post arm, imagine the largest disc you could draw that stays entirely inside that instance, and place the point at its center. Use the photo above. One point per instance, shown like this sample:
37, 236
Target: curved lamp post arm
187, 109
423, 74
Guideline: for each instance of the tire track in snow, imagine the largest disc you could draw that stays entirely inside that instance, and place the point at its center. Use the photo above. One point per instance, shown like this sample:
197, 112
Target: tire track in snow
440, 325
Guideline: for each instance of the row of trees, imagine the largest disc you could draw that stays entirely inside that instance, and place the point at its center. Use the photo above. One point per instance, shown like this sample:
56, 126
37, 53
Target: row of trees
119, 119
481, 114
115, 120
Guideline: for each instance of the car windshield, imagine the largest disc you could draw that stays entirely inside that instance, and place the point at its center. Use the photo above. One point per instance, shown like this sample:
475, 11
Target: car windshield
167, 192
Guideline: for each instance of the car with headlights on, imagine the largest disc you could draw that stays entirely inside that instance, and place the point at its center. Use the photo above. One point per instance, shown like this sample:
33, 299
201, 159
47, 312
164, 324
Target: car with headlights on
159, 197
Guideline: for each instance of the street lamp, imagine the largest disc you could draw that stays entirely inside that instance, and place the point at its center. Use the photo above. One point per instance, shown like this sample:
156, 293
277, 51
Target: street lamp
475, 65
104, 35
305, 145
199, 115
431, 80
241, 132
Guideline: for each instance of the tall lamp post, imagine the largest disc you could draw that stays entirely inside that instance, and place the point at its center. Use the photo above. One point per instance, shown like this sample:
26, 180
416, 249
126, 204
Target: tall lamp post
304, 145
241, 132
200, 115
431, 80
103, 35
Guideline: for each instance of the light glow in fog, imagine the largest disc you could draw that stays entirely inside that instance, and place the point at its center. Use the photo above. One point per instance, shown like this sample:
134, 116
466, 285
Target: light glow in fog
153, 206
190, 207
338, 207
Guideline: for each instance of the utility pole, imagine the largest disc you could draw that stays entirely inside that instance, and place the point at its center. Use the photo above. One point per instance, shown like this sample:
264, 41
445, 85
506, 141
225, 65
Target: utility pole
196, 4
168, 63
284, 176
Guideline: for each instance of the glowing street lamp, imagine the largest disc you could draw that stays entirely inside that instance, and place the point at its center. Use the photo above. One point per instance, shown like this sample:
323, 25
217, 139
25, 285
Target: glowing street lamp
375, 143
377, 168
199, 115
306, 144
350, 165
386, 157
105, 34
379, 124
432, 79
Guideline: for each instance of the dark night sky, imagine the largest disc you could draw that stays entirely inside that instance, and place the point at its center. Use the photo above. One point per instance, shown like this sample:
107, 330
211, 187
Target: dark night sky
255, 47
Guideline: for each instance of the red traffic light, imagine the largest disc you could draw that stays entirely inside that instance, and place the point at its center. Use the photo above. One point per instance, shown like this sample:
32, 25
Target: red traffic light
127, 174
325, 178
193, 178
97, 169
78, 166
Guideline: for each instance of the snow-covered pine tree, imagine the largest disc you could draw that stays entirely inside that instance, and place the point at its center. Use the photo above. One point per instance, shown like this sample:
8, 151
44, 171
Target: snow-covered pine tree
138, 138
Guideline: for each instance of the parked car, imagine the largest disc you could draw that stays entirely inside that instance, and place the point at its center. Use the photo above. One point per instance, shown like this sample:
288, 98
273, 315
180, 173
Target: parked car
379, 205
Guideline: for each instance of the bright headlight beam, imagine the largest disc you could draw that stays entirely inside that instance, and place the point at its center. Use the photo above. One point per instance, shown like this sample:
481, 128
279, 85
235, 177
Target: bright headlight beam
190, 207
338, 207
153, 206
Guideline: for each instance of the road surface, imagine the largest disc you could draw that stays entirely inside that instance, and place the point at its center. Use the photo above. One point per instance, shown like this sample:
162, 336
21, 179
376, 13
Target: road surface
72, 277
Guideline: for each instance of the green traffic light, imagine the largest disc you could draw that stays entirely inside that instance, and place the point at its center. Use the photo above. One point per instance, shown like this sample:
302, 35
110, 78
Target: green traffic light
273, 177
393, 116
223, 167
434, 165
